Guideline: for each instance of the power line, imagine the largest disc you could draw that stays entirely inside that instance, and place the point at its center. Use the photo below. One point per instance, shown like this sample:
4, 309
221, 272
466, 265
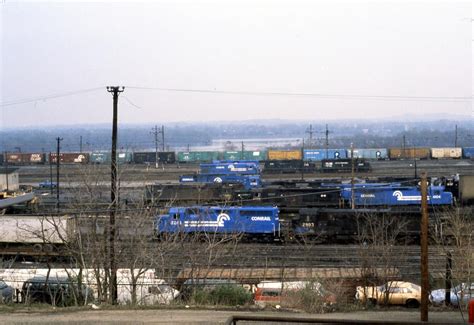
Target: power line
319, 95
39, 98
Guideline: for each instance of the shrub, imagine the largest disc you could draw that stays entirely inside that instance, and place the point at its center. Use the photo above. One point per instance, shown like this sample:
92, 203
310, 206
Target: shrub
229, 295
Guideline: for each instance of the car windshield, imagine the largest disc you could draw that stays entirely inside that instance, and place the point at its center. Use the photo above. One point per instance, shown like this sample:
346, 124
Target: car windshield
3, 285
415, 287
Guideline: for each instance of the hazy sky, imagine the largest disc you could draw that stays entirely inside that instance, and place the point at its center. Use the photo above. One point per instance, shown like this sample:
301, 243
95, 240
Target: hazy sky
374, 48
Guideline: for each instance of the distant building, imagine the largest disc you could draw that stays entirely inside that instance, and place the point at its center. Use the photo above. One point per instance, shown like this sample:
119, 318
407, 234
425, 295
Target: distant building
9, 179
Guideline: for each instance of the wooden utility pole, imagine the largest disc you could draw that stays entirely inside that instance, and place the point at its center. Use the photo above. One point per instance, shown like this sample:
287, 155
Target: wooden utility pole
424, 249
6, 169
58, 163
302, 161
310, 132
115, 90
352, 177
456, 136
163, 138
327, 142
50, 174
155, 133
80, 144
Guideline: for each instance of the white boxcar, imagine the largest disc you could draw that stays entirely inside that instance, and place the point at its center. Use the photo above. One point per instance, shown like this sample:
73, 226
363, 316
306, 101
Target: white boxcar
441, 153
33, 229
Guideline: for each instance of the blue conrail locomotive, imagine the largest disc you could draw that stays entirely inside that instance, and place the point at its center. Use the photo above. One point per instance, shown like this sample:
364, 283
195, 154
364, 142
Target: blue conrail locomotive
258, 222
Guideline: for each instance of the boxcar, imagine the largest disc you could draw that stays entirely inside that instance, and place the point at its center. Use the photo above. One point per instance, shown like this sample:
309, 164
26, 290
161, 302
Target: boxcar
320, 154
468, 152
198, 156
288, 166
25, 158
70, 158
105, 157
166, 157
379, 154
245, 155
284, 155
409, 153
344, 165
249, 221
442, 153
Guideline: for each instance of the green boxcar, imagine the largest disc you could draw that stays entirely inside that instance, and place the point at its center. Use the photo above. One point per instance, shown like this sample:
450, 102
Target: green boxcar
198, 156
245, 155
104, 157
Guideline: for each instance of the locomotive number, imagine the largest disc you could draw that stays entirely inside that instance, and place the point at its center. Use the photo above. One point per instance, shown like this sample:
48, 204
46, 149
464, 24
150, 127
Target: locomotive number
308, 224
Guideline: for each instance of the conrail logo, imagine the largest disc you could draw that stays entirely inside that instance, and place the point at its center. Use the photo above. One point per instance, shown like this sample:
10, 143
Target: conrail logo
221, 218
400, 197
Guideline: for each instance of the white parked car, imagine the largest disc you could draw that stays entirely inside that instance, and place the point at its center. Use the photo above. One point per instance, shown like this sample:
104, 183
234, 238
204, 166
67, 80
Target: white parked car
461, 293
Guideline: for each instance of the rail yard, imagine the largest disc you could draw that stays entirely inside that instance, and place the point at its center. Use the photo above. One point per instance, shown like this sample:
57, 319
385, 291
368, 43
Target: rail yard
300, 224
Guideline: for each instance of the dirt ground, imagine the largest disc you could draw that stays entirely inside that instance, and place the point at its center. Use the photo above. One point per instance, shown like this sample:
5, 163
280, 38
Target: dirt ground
191, 316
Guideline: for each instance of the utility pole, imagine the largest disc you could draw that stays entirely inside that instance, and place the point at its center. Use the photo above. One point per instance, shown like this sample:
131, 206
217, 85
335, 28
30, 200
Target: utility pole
242, 151
302, 161
155, 133
327, 142
456, 136
404, 147
424, 249
163, 138
352, 177
310, 132
50, 174
58, 163
80, 144
6, 169
115, 90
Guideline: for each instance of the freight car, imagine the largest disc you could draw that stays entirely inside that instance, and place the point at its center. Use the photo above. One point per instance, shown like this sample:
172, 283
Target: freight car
408, 153
468, 152
375, 154
105, 157
25, 158
198, 156
284, 155
245, 155
165, 157
344, 165
70, 158
259, 222
288, 166
443, 153
320, 154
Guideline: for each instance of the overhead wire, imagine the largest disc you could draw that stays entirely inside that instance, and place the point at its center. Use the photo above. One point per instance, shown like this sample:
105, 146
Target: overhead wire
47, 97
304, 94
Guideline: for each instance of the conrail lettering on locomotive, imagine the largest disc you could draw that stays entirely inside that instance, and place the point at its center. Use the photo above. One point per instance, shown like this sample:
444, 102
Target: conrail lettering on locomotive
259, 218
